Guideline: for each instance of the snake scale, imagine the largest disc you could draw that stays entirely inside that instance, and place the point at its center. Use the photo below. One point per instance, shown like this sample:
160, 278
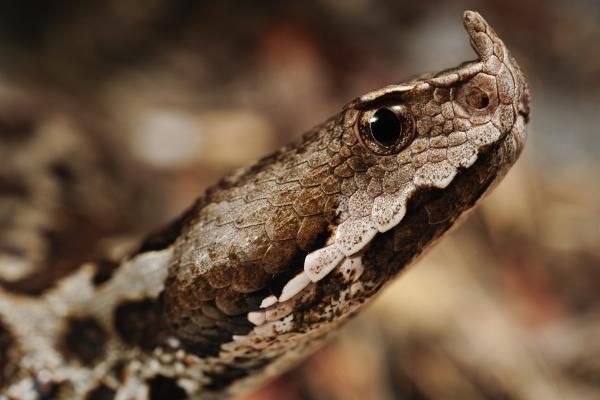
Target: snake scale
270, 261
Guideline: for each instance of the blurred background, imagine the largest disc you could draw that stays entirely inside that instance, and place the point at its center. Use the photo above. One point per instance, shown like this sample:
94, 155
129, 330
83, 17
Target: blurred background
177, 92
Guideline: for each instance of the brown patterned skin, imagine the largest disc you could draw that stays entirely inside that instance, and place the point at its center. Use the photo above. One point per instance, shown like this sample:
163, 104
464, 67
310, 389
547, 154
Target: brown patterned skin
278, 255
50, 211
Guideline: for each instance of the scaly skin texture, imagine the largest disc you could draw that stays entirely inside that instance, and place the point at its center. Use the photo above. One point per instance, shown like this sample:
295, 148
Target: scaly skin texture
278, 255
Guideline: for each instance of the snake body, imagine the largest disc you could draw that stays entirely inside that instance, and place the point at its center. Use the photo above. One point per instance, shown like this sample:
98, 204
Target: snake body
273, 258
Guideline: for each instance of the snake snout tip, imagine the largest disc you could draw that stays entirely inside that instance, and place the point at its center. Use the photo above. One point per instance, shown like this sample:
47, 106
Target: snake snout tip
474, 19
469, 14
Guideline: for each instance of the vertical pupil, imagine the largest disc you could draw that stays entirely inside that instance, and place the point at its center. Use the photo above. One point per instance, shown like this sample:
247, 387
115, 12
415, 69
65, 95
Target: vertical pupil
385, 126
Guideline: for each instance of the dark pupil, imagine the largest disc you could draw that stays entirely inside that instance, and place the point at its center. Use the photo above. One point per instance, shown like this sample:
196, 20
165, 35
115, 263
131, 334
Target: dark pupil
385, 126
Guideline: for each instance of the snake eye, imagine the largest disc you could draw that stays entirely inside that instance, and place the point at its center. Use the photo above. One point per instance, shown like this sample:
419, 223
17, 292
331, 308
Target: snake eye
385, 126
386, 130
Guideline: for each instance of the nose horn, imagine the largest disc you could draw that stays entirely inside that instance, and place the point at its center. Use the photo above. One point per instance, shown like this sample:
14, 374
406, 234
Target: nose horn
483, 37
488, 45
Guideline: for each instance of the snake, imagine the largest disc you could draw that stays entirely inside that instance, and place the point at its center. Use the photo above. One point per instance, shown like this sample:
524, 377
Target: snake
269, 262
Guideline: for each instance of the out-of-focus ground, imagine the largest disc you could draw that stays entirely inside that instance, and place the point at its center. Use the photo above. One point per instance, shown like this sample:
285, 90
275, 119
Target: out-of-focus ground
507, 307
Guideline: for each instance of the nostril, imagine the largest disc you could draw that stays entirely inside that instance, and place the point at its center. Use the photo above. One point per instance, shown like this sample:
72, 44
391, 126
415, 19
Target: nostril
477, 98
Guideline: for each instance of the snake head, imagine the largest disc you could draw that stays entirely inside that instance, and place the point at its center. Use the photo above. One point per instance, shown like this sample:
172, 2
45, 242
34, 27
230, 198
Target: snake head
404, 163
458, 111
421, 134
280, 253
